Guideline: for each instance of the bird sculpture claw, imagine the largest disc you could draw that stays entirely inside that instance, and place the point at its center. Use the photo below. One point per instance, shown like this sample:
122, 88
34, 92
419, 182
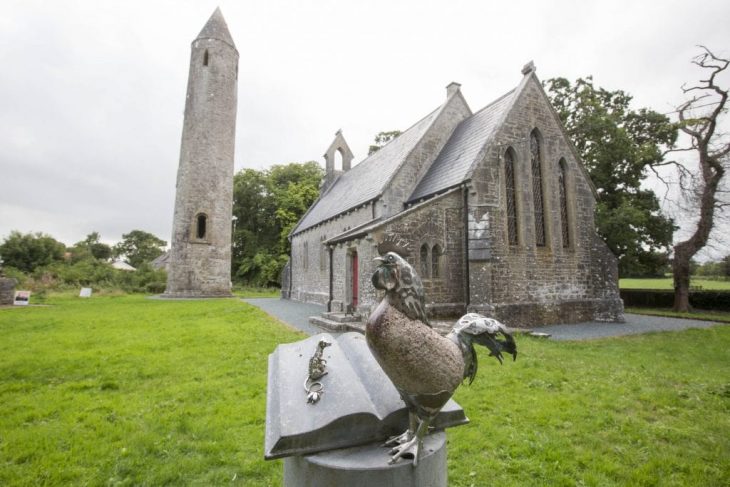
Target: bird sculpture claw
399, 439
408, 449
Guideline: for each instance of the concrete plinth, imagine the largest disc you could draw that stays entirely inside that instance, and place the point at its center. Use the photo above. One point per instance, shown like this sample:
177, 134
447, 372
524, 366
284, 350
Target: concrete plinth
366, 466
7, 291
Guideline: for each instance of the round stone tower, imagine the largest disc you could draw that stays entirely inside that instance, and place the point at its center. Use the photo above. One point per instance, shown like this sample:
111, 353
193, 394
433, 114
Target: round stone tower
200, 258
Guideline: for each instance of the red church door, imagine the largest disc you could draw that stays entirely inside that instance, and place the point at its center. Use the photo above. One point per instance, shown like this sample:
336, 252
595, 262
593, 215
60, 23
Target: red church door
355, 279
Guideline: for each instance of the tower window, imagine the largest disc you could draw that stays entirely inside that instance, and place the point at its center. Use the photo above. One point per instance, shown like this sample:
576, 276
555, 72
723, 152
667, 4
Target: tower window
200, 226
205, 58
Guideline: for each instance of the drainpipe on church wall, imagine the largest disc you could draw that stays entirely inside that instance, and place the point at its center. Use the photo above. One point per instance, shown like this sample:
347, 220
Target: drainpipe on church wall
329, 303
467, 287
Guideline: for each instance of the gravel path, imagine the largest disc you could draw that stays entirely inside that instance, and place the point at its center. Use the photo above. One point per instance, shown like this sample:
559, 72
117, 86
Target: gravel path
634, 325
292, 313
297, 315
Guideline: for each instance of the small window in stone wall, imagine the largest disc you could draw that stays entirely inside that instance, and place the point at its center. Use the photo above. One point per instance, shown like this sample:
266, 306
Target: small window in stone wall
424, 261
201, 224
562, 187
205, 58
436, 261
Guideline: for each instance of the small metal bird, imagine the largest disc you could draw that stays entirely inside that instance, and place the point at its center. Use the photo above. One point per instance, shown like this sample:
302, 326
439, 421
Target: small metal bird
425, 367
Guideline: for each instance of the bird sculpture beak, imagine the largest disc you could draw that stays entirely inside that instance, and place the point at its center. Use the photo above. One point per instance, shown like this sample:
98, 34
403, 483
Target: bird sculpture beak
378, 259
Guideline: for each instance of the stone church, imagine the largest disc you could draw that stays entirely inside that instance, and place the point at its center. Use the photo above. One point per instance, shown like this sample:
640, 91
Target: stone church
493, 208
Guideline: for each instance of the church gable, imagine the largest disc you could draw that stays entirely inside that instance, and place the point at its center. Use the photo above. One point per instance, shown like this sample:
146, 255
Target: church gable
463, 149
420, 161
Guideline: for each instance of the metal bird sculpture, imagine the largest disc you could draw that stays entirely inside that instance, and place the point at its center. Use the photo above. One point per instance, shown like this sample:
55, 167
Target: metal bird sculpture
425, 367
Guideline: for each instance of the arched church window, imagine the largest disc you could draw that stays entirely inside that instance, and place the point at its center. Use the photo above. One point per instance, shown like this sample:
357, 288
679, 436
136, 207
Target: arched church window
436, 261
509, 183
538, 200
205, 58
201, 223
424, 261
562, 182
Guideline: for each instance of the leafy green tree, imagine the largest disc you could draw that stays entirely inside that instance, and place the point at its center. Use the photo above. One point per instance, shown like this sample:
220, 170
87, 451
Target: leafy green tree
267, 205
381, 139
29, 251
91, 246
139, 247
619, 146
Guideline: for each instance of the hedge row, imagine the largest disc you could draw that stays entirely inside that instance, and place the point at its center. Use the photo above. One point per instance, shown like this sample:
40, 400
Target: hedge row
652, 298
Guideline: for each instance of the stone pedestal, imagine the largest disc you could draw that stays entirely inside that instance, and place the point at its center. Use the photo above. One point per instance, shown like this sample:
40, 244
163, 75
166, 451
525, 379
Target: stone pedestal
365, 466
7, 291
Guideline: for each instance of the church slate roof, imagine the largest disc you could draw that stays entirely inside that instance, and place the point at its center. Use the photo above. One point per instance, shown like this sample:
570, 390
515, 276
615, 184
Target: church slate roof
366, 181
453, 165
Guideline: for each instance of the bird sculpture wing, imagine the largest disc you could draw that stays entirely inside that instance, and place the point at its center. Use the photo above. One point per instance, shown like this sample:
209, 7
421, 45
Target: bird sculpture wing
475, 328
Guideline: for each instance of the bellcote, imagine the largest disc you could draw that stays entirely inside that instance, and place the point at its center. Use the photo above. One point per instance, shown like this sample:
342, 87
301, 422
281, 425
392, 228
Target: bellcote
337, 145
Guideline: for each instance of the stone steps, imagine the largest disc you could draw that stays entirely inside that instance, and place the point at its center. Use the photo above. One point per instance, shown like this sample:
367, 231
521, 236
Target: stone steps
338, 326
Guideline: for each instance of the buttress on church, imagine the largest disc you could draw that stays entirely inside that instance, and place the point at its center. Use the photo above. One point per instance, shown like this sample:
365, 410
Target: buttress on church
494, 209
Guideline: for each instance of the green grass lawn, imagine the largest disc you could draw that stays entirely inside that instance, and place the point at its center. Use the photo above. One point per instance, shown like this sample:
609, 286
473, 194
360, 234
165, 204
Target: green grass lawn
123, 390
667, 283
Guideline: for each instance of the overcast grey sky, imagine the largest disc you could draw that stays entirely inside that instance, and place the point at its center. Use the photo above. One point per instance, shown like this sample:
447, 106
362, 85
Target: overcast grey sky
92, 92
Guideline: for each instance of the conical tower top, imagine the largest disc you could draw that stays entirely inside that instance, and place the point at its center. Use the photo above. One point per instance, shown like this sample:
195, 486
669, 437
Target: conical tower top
216, 28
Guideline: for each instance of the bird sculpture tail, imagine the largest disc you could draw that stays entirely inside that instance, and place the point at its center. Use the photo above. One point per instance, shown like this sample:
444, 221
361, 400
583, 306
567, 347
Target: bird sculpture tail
475, 328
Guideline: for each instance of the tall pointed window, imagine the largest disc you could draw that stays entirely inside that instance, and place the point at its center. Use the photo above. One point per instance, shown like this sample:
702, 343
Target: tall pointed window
436, 261
424, 261
562, 182
509, 183
536, 163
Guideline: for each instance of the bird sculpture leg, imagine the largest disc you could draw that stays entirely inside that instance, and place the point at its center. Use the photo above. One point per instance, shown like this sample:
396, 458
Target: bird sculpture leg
412, 447
407, 435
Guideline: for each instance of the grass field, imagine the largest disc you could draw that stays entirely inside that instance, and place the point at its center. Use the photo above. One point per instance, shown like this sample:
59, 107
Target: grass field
666, 283
123, 390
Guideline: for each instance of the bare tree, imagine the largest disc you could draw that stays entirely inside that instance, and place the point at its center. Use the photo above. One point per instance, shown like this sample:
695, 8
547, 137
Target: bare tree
705, 186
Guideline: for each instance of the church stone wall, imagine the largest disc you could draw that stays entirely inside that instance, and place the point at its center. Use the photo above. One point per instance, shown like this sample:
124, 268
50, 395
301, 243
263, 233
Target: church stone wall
310, 258
437, 223
526, 283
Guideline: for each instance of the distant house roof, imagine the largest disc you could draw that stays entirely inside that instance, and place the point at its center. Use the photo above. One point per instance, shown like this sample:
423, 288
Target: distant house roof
367, 180
453, 165
122, 266
162, 261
